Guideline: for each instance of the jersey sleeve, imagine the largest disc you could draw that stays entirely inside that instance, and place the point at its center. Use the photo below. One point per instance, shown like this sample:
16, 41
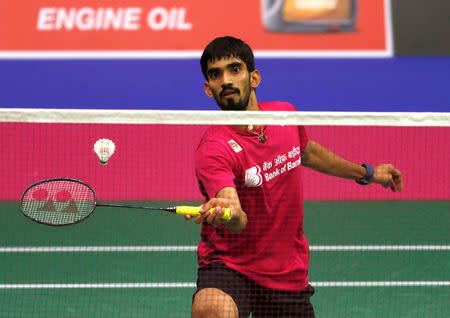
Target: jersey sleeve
303, 137
302, 134
213, 168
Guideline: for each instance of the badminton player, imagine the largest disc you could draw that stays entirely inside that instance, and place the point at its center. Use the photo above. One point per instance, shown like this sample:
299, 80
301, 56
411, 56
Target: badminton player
257, 262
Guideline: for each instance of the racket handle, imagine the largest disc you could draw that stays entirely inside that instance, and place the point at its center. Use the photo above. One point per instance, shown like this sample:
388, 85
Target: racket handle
195, 210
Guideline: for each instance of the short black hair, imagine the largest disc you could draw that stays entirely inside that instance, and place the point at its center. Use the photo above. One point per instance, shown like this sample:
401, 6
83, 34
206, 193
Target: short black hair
224, 47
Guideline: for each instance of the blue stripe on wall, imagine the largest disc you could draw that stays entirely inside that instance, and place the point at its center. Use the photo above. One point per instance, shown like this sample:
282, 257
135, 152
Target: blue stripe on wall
397, 84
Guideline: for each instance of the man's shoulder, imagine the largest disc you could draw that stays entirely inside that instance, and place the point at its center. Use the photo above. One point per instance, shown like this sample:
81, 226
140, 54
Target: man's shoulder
276, 106
215, 131
215, 134
216, 141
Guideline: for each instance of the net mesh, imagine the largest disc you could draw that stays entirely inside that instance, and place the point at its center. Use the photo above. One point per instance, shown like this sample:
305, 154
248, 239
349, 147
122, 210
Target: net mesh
372, 252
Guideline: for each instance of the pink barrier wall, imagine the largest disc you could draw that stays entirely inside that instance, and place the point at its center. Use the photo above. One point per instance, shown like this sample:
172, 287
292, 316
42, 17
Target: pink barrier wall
156, 161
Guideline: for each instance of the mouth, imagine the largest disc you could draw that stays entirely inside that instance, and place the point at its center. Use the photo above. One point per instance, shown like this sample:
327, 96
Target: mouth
228, 93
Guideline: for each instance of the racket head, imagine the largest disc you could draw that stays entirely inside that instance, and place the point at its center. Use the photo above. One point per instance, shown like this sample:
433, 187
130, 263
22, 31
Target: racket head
58, 201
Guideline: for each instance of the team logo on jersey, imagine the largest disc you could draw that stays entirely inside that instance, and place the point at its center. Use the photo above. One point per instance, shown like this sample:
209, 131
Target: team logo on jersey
234, 145
253, 177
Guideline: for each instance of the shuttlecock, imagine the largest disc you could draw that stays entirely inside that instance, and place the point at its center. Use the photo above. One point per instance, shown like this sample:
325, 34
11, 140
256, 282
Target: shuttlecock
104, 148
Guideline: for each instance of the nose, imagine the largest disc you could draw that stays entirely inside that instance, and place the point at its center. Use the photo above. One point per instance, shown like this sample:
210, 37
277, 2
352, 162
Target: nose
227, 79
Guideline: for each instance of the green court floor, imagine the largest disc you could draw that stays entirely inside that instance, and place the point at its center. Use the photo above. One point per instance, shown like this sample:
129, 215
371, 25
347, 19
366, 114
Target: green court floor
24, 276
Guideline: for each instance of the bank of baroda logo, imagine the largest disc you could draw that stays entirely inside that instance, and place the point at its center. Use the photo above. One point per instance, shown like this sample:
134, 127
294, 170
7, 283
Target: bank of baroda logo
253, 177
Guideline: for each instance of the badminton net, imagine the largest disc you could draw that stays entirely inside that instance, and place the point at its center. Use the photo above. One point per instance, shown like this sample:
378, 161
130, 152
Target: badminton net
373, 253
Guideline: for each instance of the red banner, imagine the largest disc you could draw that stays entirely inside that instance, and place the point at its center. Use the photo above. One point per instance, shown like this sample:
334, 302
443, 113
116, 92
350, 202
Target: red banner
291, 27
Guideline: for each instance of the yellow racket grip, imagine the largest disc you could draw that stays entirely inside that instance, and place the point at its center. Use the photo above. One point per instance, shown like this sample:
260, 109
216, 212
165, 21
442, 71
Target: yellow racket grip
195, 210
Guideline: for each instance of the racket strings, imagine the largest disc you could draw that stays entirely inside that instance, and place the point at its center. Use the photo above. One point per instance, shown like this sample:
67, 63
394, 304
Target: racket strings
58, 202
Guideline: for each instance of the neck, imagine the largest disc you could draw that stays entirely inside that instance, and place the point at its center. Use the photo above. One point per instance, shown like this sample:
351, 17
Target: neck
252, 102
252, 106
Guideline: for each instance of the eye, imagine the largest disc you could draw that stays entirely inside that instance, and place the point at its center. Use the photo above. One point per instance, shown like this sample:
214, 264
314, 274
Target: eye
236, 69
213, 74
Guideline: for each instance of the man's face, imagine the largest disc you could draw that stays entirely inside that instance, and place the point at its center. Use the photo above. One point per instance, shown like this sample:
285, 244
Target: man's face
229, 83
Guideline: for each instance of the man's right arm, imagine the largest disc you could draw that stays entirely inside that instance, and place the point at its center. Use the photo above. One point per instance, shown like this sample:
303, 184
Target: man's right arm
225, 198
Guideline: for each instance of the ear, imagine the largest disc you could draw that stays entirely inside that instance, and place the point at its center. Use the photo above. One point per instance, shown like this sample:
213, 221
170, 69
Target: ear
255, 79
208, 90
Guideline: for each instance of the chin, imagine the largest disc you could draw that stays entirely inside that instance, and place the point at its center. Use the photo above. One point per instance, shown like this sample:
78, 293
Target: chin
232, 105
236, 107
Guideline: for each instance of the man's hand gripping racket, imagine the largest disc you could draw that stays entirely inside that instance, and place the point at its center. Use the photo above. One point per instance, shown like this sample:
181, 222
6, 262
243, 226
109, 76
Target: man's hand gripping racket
212, 212
63, 201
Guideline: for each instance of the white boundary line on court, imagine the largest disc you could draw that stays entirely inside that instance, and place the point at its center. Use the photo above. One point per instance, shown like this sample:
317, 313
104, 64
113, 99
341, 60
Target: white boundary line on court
367, 248
381, 284
193, 285
183, 117
188, 248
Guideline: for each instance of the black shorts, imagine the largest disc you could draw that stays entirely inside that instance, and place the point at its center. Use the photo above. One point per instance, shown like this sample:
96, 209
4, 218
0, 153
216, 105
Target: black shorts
252, 298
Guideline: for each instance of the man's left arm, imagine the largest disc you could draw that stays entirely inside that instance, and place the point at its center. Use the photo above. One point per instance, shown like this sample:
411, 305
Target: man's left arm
319, 158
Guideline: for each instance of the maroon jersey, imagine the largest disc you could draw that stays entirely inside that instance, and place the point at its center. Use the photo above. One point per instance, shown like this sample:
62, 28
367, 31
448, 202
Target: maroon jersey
272, 250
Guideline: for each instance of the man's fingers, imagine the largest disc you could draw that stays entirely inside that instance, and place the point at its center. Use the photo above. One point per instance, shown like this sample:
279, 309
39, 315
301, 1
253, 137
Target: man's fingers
212, 212
397, 179
206, 214
393, 187
205, 207
399, 184
200, 218
214, 217
389, 177
203, 214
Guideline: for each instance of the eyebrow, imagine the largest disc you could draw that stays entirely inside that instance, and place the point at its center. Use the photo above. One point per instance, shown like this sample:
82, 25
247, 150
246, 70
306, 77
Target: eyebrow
234, 64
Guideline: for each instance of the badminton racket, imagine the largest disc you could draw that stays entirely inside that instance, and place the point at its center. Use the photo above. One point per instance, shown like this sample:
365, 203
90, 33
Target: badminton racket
63, 201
